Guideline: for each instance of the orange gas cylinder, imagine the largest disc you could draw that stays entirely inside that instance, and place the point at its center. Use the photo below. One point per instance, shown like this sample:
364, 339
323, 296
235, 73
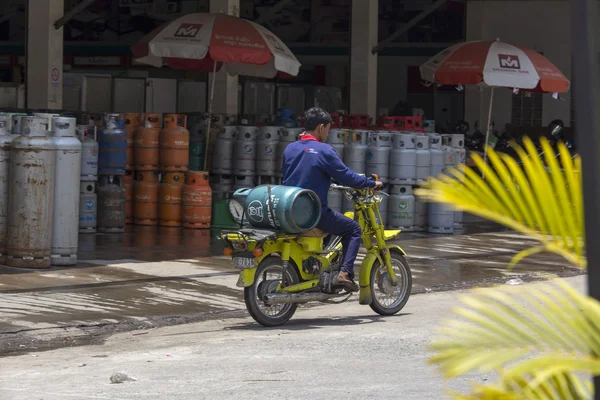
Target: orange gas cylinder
197, 200
174, 143
145, 207
169, 199
146, 143
128, 186
131, 123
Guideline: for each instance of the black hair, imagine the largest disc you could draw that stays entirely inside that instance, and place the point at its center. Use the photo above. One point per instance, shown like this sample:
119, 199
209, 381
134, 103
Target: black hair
315, 116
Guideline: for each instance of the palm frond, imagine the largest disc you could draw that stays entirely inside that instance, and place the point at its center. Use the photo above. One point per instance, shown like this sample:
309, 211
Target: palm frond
539, 338
540, 198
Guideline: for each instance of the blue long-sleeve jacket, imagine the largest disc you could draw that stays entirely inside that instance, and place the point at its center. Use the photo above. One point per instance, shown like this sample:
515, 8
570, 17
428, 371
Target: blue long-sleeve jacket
310, 164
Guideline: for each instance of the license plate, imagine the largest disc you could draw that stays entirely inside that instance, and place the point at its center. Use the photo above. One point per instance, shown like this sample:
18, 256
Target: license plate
243, 262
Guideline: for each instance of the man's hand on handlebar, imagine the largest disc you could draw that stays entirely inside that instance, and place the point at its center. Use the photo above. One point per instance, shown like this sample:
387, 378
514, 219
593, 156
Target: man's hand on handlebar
378, 185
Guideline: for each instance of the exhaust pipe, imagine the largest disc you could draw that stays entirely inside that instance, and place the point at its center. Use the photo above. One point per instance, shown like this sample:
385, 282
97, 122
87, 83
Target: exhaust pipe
277, 298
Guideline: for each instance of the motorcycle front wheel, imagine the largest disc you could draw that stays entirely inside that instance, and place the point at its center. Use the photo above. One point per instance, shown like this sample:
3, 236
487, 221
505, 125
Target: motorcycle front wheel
269, 275
389, 299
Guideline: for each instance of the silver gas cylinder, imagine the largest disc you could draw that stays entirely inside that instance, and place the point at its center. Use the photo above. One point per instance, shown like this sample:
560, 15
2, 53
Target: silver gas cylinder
441, 218
355, 152
334, 200
266, 151
88, 207
423, 157
5, 145
89, 152
458, 219
449, 153
286, 136
47, 116
401, 211
421, 215
457, 140
438, 162
16, 120
243, 181
337, 140
222, 161
347, 204
111, 204
244, 151
403, 159
65, 220
378, 155
31, 196
460, 155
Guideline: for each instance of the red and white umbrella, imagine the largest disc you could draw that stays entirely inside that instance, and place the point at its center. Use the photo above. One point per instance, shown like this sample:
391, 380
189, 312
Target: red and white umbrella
206, 42
494, 64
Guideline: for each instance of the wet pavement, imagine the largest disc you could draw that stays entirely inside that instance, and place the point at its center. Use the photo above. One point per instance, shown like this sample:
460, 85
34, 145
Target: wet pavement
153, 276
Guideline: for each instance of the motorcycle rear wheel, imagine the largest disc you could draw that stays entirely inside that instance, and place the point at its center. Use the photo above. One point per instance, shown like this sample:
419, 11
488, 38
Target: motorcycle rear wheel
380, 282
261, 312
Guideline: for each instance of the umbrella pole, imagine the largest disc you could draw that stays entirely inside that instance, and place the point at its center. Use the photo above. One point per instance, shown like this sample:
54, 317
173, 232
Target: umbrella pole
489, 126
210, 101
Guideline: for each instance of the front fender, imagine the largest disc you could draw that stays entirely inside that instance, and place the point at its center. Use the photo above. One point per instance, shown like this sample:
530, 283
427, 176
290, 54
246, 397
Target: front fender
365, 295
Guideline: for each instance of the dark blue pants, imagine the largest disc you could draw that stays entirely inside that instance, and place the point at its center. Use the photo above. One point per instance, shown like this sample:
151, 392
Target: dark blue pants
338, 224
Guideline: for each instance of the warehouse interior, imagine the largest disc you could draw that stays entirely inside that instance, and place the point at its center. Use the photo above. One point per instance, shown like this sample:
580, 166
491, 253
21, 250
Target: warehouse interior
360, 57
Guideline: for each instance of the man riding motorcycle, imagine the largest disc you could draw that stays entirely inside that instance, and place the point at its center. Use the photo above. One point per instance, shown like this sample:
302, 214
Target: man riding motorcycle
310, 164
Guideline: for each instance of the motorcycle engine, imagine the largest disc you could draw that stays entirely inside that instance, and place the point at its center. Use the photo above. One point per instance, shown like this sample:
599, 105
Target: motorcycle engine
311, 266
326, 283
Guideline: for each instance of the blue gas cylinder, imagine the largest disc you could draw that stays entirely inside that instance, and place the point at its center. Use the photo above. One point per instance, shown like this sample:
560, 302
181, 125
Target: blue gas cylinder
285, 117
112, 145
284, 208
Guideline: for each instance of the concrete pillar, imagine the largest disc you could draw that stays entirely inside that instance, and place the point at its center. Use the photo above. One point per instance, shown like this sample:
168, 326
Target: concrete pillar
226, 86
363, 64
44, 54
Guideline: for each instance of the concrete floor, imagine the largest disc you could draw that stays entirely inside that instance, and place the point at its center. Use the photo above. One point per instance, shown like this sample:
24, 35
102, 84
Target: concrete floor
154, 276
325, 352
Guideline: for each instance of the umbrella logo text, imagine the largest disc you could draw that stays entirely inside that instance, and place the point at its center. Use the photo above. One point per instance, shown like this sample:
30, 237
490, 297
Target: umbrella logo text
508, 61
187, 30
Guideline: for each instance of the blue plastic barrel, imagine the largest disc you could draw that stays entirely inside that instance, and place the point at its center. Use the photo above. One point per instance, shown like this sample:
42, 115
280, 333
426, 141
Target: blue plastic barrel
284, 208
112, 146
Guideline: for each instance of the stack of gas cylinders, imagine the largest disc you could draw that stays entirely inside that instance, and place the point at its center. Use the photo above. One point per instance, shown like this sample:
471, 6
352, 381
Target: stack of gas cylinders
403, 155
40, 161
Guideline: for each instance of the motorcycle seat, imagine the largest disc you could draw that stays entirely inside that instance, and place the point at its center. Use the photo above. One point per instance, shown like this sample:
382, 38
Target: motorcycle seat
315, 232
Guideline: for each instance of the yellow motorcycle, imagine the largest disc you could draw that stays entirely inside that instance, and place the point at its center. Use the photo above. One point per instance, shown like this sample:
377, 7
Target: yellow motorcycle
279, 270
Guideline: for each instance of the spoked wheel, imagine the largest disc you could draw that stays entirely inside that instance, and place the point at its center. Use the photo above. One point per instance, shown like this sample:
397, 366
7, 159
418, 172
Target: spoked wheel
269, 275
387, 298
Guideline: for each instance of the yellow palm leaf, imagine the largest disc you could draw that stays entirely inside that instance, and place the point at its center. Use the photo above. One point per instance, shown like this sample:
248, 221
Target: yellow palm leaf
538, 338
540, 198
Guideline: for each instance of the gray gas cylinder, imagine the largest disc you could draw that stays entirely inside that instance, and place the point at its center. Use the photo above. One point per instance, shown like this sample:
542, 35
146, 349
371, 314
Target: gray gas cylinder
355, 152
16, 120
449, 153
403, 159
458, 219
438, 162
337, 140
5, 145
111, 205
222, 160
401, 210
335, 200
460, 155
378, 155
243, 181
47, 116
457, 140
347, 204
88, 207
421, 215
383, 207
441, 218
423, 157
244, 151
31, 196
266, 151
65, 220
89, 152
286, 136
